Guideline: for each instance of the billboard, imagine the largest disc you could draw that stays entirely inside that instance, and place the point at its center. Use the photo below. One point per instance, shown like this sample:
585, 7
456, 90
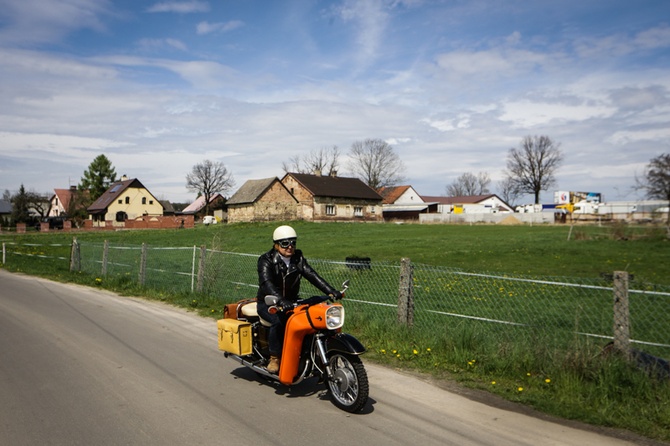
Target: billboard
565, 197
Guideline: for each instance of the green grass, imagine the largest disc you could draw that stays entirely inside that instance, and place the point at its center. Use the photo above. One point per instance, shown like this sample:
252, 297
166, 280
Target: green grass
576, 381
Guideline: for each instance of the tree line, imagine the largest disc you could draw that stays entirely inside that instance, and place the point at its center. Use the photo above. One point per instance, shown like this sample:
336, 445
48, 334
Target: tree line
530, 169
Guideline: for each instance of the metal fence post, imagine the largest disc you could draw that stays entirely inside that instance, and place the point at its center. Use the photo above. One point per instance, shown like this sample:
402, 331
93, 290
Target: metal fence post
406, 293
3, 252
201, 268
105, 256
143, 264
75, 256
621, 313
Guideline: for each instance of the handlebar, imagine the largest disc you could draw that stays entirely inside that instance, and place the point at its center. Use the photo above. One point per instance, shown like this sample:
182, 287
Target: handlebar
276, 303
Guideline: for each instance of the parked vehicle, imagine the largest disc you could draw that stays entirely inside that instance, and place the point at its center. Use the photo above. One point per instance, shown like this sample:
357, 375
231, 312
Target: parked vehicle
314, 346
209, 220
54, 222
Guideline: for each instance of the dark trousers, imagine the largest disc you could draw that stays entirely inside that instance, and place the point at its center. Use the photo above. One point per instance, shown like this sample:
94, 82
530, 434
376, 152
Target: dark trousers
276, 330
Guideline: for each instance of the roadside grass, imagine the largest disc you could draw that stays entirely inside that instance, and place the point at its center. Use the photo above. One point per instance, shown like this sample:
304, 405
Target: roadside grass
578, 382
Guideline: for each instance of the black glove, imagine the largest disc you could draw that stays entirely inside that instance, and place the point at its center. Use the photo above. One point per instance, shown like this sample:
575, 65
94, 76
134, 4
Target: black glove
336, 295
286, 304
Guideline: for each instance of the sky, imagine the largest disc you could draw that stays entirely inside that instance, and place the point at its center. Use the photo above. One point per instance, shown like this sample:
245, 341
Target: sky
451, 85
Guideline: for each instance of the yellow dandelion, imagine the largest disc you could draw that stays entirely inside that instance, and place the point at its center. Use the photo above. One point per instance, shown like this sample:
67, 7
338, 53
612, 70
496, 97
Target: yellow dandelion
493, 383
383, 351
415, 351
428, 350
520, 389
547, 380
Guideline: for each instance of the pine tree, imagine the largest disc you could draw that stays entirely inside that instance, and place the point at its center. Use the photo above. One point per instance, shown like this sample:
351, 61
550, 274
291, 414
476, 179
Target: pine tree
99, 176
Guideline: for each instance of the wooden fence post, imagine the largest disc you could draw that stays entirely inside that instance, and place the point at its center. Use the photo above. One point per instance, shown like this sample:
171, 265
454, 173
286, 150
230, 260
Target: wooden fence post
75, 256
621, 313
406, 293
105, 256
143, 264
3, 252
201, 268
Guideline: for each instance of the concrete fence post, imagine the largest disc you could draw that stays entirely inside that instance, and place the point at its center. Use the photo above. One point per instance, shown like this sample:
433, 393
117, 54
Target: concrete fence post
201, 268
105, 257
143, 264
621, 327
406, 293
75, 256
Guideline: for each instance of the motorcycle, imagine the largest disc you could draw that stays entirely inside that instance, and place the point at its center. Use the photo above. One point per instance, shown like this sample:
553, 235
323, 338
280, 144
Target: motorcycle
314, 346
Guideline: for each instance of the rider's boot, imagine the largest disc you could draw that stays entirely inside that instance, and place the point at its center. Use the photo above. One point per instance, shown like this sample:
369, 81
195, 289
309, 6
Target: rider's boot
273, 365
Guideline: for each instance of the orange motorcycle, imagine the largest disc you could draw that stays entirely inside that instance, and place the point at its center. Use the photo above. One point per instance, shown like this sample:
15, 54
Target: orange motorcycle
314, 346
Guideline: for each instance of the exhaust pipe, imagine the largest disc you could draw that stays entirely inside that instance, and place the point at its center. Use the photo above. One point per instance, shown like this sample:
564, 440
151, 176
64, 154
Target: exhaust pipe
251, 365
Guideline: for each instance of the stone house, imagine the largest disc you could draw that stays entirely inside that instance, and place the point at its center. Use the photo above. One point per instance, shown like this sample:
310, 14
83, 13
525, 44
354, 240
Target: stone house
262, 200
333, 198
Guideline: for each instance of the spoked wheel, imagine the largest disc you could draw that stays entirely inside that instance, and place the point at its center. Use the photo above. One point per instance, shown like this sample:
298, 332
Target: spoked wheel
348, 386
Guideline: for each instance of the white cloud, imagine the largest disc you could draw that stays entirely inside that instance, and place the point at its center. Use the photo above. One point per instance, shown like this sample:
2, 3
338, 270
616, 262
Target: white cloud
186, 7
527, 114
208, 28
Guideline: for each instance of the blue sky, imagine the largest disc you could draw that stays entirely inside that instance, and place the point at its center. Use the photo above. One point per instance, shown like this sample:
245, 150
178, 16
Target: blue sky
159, 86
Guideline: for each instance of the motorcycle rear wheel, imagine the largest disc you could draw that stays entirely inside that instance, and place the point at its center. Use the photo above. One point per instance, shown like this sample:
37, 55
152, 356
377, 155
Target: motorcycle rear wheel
348, 387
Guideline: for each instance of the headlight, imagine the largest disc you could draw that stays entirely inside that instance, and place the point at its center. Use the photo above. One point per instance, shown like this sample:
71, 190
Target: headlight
335, 317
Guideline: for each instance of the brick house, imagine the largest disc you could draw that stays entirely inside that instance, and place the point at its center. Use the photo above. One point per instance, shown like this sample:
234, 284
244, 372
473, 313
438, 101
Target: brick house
262, 200
333, 198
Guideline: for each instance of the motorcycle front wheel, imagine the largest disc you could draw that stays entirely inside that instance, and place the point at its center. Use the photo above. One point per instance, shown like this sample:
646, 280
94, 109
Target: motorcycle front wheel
348, 386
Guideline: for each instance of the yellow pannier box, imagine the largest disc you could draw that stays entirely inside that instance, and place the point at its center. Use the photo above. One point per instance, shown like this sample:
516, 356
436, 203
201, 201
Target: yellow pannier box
234, 336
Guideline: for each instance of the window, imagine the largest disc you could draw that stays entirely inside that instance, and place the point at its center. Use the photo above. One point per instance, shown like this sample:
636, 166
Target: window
127, 200
121, 216
330, 209
373, 209
358, 211
144, 200
120, 201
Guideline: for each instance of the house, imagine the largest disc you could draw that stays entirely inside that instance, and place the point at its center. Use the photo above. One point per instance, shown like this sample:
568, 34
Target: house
62, 200
333, 198
471, 204
404, 203
5, 212
262, 200
127, 199
216, 205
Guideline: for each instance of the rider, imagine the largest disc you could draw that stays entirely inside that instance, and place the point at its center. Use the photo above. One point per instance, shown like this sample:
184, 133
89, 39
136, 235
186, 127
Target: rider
279, 273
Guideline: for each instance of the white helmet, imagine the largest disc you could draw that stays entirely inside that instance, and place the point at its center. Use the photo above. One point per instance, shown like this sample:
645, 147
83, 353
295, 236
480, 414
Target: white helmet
284, 232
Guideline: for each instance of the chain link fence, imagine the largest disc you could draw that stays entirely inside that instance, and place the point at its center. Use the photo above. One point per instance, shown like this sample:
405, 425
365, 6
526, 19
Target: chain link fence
555, 311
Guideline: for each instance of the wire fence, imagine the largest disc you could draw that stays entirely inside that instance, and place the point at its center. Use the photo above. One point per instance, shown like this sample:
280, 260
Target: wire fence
554, 310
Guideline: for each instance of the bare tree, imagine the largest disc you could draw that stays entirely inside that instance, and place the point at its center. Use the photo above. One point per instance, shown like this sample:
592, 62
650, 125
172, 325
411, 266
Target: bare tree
375, 163
325, 160
532, 166
469, 184
509, 191
209, 178
656, 180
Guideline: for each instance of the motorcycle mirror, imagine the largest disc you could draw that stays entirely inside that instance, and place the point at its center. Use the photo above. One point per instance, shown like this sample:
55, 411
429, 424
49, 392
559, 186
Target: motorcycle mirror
271, 300
345, 284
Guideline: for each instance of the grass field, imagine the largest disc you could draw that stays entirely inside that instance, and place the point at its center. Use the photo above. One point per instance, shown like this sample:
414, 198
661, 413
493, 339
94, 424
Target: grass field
575, 381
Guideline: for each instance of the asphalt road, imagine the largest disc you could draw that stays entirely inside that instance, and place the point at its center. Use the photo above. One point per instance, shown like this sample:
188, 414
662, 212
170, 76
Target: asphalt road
82, 366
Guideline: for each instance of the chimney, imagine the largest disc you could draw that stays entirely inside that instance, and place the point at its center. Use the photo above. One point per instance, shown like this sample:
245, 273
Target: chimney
317, 172
333, 173
124, 177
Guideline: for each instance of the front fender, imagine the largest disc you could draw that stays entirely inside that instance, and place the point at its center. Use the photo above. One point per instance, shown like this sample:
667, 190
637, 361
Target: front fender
345, 343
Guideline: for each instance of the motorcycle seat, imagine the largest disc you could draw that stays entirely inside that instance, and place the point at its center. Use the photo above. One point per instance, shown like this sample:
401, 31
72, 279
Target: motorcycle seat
250, 310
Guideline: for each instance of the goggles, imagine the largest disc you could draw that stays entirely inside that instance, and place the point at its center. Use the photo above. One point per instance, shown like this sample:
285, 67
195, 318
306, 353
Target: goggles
286, 242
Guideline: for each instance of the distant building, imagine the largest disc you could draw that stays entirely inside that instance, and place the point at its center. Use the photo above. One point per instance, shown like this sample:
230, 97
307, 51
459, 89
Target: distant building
127, 199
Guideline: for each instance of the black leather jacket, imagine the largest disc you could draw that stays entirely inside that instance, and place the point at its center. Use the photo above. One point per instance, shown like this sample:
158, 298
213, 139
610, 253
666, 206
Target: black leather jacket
277, 279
